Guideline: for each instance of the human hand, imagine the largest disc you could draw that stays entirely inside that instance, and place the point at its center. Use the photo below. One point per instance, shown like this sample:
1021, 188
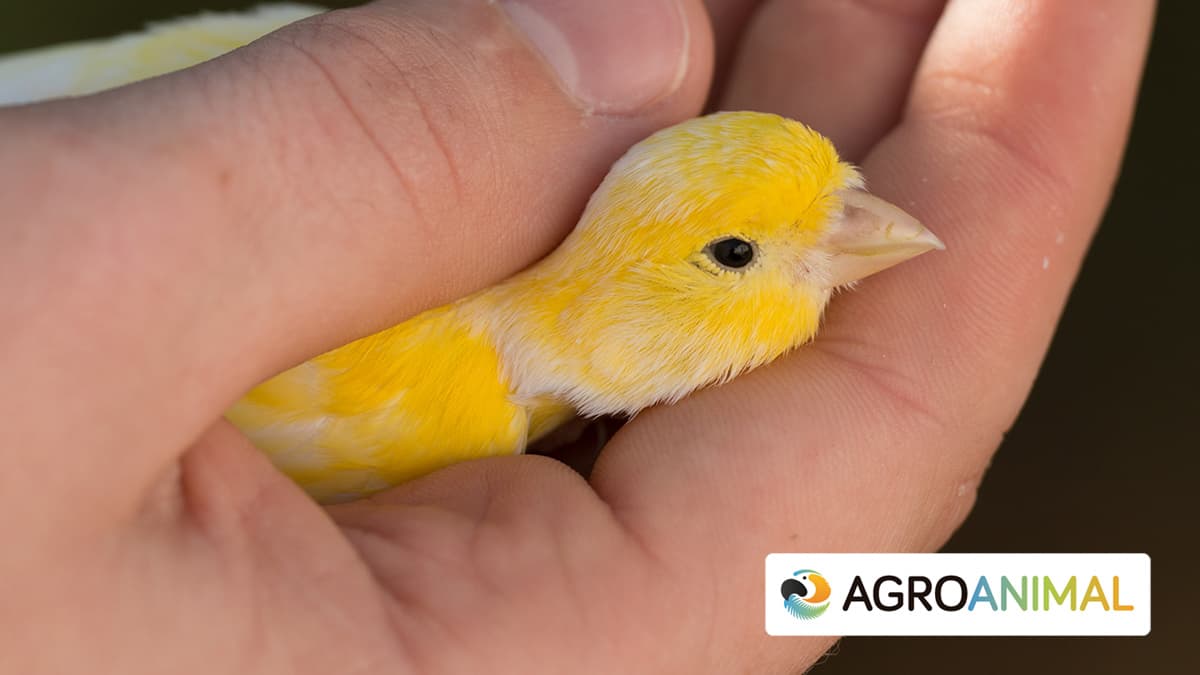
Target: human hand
189, 236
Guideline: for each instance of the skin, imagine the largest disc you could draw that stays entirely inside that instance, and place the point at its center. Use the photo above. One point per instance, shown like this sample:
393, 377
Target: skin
167, 245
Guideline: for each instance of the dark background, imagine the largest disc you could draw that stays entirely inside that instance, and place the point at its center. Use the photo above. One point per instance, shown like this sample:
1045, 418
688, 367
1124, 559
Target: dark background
1105, 455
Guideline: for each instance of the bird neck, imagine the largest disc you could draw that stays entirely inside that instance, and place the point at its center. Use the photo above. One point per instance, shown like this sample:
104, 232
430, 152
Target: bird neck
533, 321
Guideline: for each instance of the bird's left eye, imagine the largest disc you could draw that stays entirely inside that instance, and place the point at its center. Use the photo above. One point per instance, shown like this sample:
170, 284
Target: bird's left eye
731, 252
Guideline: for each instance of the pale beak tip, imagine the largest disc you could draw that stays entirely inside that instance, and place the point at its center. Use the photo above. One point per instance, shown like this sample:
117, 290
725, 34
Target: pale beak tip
933, 240
873, 235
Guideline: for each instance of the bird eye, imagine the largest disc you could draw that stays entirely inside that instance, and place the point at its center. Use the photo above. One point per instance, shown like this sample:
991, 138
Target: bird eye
731, 252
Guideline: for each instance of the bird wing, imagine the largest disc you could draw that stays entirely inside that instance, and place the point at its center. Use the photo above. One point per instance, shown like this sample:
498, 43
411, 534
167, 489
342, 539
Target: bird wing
386, 408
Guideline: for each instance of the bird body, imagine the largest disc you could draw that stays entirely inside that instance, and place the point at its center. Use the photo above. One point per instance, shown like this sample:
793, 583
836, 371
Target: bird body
615, 320
712, 247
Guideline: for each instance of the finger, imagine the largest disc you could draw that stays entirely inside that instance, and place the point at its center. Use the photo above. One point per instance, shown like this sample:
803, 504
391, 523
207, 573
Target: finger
230, 220
875, 437
729, 19
841, 67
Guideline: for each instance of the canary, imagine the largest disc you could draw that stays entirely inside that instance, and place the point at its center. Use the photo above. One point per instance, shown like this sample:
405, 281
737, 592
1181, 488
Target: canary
711, 247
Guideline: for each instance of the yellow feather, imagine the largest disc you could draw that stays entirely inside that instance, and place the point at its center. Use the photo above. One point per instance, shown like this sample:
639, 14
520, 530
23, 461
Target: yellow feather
386, 408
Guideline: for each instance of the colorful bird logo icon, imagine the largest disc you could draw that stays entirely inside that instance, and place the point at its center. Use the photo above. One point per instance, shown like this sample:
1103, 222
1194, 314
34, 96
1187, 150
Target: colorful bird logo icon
805, 594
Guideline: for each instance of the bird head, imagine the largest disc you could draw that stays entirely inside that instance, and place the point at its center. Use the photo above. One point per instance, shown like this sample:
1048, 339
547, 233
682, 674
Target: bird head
710, 248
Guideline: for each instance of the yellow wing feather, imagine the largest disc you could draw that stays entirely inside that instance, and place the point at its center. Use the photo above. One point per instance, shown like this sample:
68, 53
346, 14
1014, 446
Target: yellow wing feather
387, 408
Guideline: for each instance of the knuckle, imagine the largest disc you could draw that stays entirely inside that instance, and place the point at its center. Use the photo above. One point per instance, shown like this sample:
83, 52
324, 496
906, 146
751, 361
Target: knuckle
374, 95
901, 390
1003, 129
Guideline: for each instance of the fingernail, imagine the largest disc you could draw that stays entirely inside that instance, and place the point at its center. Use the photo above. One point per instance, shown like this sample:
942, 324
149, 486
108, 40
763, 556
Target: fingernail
612, 56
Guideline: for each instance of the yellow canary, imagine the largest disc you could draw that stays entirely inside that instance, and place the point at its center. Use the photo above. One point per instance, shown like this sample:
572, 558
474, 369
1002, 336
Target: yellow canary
712, 247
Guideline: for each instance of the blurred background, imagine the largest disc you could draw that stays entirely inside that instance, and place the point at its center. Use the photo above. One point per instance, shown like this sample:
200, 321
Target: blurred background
1105, 455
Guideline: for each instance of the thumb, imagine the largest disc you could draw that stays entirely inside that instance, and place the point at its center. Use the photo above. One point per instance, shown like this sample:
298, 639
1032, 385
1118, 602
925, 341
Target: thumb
347, 171
424, 150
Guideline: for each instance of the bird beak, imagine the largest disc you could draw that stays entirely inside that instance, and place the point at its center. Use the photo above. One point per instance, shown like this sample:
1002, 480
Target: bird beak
872, 236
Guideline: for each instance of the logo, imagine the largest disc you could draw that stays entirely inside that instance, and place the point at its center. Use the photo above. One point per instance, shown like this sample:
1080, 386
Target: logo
957, 594
805, 594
